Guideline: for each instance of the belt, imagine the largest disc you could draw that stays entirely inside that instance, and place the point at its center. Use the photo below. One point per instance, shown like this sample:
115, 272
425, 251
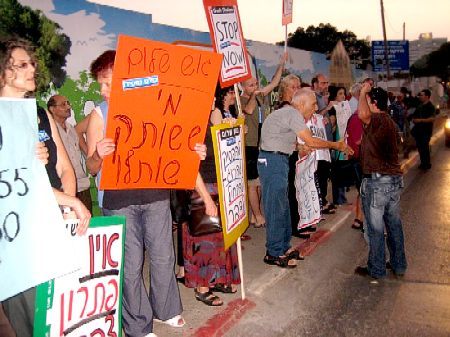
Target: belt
277, 152
373, 175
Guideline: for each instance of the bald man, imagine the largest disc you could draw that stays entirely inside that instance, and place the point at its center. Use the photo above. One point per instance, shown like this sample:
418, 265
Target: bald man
60, 108
278, 139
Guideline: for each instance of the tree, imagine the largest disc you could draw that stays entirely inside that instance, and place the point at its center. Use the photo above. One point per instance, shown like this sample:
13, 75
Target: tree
437, 63
323, 39
51, 44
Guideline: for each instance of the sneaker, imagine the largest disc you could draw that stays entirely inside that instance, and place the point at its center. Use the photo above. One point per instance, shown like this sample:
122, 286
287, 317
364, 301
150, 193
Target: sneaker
174, 322
364, 272
151, 334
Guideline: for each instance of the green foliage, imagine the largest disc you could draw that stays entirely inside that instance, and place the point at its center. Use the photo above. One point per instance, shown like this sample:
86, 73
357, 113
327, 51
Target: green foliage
51, 44
323, 39
78, 93
437, 63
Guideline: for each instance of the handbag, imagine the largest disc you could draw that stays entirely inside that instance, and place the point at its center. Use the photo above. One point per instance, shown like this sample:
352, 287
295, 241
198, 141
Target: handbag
199, 222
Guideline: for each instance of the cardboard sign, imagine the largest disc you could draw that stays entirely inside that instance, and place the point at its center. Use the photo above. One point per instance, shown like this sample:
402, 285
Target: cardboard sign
229, 154
34, 246
306, 191
89, 301
287, 12
158, 110
343, 113
228, 40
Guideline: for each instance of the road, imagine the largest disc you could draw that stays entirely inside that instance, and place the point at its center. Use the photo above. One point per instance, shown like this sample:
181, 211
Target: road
323, 297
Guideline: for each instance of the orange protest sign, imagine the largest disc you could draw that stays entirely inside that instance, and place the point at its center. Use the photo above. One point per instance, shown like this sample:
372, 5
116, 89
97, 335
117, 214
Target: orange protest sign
158, 110
227, 37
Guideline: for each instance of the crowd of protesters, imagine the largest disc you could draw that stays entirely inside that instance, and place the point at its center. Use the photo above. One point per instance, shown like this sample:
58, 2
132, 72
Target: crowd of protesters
305, 125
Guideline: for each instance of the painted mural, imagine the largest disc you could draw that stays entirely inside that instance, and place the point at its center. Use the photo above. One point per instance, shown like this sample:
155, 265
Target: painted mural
94, 28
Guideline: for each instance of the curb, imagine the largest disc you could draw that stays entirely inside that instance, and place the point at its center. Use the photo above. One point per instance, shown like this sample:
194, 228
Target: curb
219, 324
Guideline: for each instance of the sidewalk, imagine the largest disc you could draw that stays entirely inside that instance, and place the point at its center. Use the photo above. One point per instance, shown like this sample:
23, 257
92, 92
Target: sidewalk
204, 321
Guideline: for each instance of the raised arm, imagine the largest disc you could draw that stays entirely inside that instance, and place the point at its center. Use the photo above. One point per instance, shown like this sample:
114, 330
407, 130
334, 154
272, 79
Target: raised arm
364, 112
276, 78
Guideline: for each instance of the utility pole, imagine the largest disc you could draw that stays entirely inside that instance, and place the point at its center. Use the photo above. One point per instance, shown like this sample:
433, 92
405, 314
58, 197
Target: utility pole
386, 54
404, 30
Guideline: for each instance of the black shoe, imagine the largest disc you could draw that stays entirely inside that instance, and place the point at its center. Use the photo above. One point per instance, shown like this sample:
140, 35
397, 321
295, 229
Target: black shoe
308, 229
364, 272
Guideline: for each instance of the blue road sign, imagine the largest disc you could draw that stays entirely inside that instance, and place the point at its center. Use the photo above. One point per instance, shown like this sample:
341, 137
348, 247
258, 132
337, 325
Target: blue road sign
398, 55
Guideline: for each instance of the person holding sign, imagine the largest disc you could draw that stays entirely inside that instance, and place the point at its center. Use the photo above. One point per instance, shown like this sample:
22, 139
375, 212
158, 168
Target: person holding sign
207, 266
149, 226
278, 138
17, 80
252, 100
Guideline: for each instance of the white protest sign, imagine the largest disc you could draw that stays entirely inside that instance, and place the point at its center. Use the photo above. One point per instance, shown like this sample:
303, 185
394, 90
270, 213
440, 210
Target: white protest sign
34, 245
306, 191
231, 179
226, 34
343, 113
87, 302
287, 12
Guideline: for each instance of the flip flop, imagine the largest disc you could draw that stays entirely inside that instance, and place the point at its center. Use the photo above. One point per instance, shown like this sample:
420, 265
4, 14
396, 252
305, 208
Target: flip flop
208, 298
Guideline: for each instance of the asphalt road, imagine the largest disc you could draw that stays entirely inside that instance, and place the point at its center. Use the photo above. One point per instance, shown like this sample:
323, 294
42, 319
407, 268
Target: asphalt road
323, 297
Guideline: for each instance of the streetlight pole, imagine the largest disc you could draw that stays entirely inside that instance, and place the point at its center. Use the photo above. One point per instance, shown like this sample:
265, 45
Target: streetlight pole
386, 54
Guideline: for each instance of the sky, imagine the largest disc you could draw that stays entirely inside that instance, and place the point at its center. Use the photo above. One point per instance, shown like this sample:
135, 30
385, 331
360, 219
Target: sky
261, 19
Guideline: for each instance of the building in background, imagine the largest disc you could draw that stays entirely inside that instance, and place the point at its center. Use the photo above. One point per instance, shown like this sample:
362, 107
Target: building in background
424, 45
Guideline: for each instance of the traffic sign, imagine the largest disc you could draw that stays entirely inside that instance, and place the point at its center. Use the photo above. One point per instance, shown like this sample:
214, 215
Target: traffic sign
398, 55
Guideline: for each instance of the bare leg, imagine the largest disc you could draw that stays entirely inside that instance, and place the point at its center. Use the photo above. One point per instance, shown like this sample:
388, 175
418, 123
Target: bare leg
254, 196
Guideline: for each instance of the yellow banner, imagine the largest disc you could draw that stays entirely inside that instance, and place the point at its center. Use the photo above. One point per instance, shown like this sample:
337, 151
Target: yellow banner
229, 153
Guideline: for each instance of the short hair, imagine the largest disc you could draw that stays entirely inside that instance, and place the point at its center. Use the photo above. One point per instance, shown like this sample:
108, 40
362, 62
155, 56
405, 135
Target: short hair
300, 94
103, 62
355, 89
426, 92
51, 102
285, 82
314, 80
379, 97
7, 47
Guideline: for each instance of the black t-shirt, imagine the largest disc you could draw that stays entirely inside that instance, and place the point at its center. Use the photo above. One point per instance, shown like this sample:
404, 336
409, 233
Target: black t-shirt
45, 135
426, 110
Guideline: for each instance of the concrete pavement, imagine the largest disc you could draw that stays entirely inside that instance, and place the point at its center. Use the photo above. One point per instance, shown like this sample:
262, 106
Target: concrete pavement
259, 277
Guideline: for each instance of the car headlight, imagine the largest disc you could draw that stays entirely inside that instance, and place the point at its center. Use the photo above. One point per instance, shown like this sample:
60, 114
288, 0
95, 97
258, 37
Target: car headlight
447, 124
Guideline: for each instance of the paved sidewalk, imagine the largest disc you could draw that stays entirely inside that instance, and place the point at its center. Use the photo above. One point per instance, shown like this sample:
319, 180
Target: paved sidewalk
204, 321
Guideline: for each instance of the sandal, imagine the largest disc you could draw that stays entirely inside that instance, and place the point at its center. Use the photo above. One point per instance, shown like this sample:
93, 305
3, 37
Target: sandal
331, 209
279, 261
222, 288
208, 298
357, 224
294, 255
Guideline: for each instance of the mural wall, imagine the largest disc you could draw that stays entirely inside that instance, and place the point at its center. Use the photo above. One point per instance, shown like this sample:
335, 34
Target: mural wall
94, 28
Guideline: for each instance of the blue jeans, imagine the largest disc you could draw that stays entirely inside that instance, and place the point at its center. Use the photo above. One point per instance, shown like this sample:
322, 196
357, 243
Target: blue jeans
380, 196
273, 172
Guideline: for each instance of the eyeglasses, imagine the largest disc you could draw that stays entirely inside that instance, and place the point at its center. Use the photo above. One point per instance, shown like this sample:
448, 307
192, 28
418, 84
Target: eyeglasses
25, 65
66, 103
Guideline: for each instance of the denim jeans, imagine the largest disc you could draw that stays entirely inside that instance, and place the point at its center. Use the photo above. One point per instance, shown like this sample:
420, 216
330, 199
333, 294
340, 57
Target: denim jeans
381, 204
273, 169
